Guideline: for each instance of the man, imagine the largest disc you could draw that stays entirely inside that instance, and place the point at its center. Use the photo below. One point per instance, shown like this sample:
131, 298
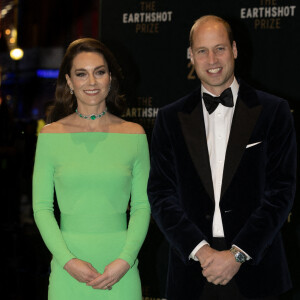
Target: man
222, 179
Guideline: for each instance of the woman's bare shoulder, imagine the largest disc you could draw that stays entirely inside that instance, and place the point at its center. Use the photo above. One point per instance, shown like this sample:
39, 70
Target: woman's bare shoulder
133, 128
123, 126
57, 127
54, 127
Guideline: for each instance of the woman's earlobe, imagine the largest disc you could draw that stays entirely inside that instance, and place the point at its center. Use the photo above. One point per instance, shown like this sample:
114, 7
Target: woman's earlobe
69, 84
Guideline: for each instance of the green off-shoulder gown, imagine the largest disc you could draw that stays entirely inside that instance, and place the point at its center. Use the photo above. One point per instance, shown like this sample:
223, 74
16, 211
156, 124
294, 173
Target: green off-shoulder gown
94, 175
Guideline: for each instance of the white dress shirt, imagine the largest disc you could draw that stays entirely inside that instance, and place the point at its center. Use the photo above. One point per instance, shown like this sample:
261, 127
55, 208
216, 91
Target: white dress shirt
217, 127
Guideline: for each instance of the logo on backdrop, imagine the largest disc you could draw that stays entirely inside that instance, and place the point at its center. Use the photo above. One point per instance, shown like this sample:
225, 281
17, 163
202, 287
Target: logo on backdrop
268, 14
143, 113
148, 18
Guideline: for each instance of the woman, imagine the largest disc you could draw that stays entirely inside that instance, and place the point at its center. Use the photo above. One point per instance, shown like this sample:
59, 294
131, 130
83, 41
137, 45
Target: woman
96, 162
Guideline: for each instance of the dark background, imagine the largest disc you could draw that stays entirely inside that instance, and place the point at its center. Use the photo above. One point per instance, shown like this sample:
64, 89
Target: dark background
153, 56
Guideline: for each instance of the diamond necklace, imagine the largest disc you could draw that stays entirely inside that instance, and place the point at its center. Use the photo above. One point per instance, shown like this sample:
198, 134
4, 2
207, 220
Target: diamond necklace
92, 116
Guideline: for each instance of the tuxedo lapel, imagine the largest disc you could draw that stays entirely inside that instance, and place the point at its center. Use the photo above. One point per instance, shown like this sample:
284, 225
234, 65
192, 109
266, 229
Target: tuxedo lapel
192, 124
243, 122
193, 128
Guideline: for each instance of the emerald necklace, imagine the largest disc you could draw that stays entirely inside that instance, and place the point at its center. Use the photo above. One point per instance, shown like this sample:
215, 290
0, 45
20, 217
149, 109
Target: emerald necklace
92, 116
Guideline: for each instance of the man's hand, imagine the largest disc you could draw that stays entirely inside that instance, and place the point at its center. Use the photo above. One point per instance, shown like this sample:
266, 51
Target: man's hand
81, 270
220, 267
204, 253
111, 275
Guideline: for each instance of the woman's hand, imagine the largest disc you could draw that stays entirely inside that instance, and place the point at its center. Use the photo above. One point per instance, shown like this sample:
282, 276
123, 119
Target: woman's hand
81, 270
112, 274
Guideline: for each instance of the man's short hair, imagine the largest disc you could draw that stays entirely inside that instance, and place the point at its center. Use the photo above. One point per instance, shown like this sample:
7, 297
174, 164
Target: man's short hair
207, 18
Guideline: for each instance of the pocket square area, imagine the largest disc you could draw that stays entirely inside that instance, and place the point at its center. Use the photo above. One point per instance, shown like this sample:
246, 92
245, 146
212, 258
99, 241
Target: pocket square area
254, 144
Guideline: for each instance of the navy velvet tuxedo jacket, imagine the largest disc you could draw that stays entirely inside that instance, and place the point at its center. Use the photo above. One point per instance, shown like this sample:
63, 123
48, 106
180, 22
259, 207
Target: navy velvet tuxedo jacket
257, 190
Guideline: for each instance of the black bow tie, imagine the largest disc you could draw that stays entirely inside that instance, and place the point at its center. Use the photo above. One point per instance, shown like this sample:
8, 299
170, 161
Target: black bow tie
211, 103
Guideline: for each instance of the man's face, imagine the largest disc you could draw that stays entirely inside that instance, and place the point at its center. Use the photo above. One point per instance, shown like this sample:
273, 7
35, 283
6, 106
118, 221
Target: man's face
213, 56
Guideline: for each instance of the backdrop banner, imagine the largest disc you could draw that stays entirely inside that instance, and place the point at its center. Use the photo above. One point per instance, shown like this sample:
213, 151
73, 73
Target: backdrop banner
150, 40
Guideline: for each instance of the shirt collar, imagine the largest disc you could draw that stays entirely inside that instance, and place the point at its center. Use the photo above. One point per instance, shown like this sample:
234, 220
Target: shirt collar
234, 88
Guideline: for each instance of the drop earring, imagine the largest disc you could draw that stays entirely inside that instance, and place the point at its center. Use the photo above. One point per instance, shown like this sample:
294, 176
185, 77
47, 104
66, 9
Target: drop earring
71, 91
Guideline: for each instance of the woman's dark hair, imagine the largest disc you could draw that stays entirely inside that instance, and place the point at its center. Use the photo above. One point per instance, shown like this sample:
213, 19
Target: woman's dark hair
65, 103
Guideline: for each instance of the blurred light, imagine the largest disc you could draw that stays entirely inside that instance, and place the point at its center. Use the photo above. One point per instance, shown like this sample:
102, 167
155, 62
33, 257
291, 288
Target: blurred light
7, 31
35, 112
8, 97
14, 33
47, 73
12, 40
0, 100
5, 10
16, 54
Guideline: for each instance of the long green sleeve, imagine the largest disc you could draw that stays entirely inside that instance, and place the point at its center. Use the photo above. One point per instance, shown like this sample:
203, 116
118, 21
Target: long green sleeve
139, 208
43, 201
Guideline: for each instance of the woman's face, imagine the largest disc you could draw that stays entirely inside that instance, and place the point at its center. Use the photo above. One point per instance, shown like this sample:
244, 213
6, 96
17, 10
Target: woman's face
89, 79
